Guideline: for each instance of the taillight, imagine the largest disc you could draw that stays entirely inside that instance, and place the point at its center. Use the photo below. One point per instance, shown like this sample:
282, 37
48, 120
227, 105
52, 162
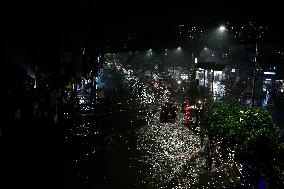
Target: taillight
187, 107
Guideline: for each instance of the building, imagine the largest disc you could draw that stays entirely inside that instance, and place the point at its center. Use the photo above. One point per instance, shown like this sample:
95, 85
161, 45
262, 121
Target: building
212, 76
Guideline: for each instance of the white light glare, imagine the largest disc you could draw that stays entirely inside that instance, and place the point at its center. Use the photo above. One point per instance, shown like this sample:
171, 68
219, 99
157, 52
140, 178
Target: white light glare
269, 73
222, 28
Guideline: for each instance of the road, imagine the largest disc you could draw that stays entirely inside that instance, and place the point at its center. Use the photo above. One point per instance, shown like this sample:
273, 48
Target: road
120, 143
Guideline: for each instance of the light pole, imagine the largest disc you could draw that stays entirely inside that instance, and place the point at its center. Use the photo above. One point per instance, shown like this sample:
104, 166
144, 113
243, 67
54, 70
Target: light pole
222, 29
178, 51
254, 76
212, 82
163, 62
150, 55
222, 36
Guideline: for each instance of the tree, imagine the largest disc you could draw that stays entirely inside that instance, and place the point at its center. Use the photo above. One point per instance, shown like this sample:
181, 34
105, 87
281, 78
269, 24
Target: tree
257, 140
250, 131
223, 118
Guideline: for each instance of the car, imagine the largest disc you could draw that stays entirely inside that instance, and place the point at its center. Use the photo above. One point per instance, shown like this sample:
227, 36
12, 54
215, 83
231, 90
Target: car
168, 113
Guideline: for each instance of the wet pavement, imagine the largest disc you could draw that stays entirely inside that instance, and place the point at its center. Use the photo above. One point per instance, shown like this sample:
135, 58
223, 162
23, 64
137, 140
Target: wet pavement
120, 143
100, 141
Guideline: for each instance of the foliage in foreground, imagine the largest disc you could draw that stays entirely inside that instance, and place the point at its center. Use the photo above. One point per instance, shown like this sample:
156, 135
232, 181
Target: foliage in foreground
251, 132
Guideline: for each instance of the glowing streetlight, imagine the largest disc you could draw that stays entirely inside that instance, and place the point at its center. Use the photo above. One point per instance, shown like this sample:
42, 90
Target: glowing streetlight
149, 53
166, 51
222, 28
178, 50
221, 34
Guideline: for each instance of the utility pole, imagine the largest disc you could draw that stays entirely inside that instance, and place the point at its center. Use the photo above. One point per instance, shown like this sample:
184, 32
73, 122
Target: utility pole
254, 76
212, 83
204, 84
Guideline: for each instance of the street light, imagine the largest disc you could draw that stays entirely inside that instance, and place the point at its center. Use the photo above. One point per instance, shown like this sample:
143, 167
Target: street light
254, 76
166, 51
178, 50
207, 54
222, 28
221, 32
149, 52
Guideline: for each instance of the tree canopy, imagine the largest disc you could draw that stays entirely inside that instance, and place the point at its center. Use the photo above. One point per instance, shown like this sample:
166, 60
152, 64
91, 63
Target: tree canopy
250, 131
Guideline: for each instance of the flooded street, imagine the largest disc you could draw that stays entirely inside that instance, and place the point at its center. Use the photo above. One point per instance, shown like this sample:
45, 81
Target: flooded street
120, 143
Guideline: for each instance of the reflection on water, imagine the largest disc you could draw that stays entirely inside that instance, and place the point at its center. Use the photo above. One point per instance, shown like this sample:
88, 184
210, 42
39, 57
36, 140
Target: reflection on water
172, 151
121, 144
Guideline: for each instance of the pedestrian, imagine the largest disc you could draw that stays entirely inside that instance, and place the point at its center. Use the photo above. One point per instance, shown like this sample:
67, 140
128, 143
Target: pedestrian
201, 135
209, 159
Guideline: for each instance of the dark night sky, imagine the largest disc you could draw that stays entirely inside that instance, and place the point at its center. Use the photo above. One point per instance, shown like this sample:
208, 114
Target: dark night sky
39, 30
146, 20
